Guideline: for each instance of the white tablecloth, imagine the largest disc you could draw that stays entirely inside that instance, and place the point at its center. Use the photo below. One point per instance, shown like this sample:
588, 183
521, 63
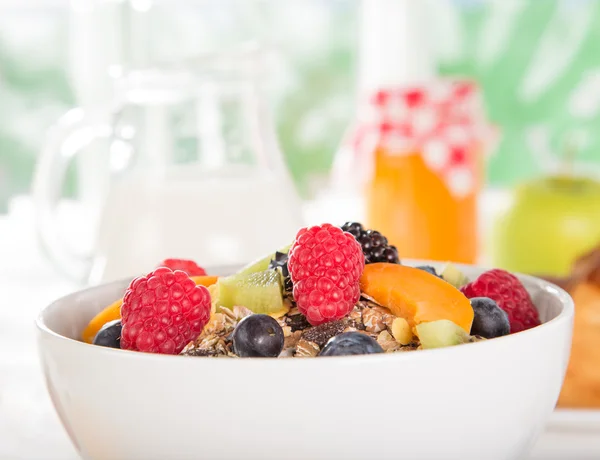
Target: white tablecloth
29, 429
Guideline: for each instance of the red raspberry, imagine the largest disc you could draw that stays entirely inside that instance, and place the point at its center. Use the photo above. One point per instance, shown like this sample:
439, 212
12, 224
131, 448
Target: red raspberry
163, 311
510, 295
325, 264
188, 266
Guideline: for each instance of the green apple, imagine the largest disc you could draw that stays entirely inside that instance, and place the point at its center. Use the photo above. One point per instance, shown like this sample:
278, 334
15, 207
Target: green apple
551, 222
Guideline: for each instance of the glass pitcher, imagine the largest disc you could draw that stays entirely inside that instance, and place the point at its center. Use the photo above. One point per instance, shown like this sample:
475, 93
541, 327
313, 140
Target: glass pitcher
195, 172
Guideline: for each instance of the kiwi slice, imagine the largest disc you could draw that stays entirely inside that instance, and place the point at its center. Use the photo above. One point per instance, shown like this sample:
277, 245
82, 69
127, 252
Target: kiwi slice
262, 264
454, 276
441, 333
260, 292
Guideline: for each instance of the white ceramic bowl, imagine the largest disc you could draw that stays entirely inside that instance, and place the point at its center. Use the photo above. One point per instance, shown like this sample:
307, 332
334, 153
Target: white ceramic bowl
486, 400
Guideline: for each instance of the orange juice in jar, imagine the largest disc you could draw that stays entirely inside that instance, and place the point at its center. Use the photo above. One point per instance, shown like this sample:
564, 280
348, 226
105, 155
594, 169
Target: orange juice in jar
426, 170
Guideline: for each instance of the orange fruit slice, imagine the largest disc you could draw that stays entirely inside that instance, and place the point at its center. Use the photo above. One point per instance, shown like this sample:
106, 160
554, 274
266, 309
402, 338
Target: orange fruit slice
416, 295
113, 311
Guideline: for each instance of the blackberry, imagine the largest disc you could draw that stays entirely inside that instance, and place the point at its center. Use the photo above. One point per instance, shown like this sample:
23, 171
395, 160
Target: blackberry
280, 262
354, 228
374, 245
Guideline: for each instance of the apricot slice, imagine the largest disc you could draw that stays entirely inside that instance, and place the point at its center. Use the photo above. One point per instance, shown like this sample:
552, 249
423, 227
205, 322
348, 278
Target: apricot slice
205, 280
110, 313
416, 295
113, 311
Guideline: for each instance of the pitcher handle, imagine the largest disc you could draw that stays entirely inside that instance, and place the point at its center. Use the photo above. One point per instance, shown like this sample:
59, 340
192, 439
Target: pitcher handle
66, 139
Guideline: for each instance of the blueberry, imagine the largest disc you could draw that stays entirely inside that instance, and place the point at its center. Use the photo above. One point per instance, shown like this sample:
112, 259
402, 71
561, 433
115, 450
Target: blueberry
109, 335
258, 336
429, 269
351, 343
490, 320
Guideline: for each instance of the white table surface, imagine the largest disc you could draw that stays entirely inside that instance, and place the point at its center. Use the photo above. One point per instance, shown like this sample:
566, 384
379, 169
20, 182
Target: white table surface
29, 429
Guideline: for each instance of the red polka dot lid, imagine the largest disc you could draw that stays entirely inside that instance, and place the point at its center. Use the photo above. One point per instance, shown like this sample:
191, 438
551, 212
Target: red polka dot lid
443, 121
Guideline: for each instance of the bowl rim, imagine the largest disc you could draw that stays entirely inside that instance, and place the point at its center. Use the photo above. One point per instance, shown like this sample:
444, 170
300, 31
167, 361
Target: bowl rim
565, 316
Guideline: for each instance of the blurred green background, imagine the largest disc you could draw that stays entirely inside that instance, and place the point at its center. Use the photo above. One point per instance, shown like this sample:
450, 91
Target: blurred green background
537, 61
